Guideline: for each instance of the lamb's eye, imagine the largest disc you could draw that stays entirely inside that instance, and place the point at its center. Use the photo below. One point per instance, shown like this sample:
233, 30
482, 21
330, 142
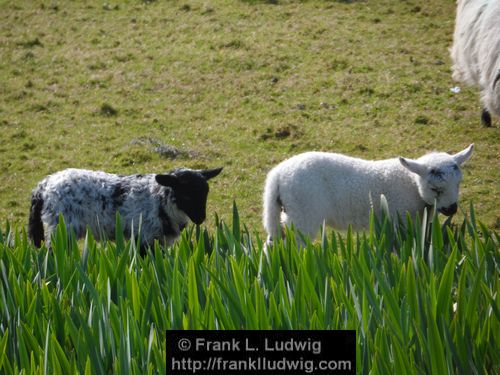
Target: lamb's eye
455, 167
436, 173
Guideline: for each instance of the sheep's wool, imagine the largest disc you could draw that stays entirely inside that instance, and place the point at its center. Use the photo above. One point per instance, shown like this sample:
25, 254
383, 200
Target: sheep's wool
315, 187
159, 205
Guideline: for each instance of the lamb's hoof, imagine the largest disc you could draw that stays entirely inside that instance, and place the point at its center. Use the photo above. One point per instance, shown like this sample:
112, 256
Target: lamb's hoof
268, 244
486, 118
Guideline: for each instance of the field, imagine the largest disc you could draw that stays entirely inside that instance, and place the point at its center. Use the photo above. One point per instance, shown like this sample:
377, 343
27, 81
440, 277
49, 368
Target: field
142, 87
146, 86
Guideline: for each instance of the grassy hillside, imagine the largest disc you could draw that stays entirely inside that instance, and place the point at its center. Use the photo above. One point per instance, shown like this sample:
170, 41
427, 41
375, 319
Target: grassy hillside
121, 86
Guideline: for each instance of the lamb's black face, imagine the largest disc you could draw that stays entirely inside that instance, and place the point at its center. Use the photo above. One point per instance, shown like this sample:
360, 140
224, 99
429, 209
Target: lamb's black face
190, 190
191, 197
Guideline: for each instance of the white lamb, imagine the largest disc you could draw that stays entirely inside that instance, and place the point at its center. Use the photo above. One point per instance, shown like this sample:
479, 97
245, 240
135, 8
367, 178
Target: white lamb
476, 51
315, 187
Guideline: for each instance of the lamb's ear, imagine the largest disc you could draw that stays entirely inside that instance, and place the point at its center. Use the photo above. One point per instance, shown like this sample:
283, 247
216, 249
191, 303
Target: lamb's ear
413, 166
167, 180
210, 173
464, 155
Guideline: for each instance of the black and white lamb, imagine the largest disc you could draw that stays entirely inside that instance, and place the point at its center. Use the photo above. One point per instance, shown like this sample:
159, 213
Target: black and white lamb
162, 203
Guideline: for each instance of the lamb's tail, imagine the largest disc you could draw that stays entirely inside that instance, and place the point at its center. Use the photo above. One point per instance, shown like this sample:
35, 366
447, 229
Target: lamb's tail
35, 224
272, 206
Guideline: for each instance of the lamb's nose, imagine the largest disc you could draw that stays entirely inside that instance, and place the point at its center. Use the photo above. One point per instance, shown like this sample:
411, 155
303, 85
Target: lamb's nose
199, 219
450, 210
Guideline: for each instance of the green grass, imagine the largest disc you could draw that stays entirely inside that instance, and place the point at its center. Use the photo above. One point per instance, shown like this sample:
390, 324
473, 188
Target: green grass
423, 299
239, 84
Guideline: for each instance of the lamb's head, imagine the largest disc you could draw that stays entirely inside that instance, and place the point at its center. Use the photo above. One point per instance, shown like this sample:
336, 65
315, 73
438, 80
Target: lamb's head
190, 190
438, 177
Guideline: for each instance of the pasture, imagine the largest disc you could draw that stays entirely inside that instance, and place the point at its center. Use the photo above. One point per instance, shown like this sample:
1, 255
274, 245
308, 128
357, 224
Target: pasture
145, 86
138, 87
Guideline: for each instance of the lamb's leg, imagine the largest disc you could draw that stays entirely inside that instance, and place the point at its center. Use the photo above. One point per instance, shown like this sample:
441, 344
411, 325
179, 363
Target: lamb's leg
143, 250
486, 118
49, 230
305, 226
268, 244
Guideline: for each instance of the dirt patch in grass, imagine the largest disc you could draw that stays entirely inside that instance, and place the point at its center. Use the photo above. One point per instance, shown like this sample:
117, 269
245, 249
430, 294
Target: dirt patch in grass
281, 132
164, 150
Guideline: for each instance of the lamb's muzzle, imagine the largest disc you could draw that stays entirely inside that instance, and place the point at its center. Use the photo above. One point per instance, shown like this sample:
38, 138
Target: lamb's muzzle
450, 210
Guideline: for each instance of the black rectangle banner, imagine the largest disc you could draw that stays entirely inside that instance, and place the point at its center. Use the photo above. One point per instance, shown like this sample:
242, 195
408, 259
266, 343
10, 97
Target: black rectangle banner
261, 352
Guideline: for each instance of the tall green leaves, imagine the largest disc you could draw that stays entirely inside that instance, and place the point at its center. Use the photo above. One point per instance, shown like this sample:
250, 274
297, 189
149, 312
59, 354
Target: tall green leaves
422, 297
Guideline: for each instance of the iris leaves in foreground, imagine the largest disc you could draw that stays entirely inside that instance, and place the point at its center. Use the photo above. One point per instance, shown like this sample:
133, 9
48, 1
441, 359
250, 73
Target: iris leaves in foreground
422, 298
